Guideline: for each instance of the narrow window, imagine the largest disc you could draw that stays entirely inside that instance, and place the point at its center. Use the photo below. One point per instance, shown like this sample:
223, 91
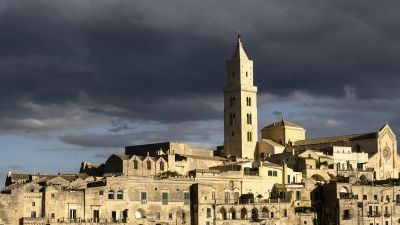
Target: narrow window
183, 217
298, 195
227, 197
208, 212
236, 197
162, 165
120, 195
111, 195
148, 163
170, 216
165, 198
143, 197
249, 136
248, 101
33, 203
233, 117
233, 101
158, 215
135, 164
249, 118
72, 214
186, 198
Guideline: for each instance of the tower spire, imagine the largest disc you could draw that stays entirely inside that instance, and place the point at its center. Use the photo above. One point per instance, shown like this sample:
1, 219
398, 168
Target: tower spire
239, 50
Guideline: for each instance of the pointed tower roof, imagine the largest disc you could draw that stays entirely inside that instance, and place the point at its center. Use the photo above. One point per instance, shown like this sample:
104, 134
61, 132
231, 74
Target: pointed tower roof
239, 52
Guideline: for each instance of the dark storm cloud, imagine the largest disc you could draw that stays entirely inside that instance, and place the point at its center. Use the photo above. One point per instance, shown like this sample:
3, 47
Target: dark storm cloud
188, 132
80, 62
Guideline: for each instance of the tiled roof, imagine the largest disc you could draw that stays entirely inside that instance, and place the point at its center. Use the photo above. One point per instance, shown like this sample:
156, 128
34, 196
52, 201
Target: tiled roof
283, 123
266, 164
19, 176
271, 142
334, 139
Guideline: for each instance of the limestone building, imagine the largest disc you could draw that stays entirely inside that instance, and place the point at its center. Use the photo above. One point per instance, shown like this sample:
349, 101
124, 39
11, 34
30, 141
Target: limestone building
283, 178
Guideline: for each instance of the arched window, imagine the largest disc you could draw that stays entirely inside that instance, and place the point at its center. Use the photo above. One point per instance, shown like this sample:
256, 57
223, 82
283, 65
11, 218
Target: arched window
249, 118
249, 136
140, 214
243, 214
232, 118
233, 101
254, 214
161, 165
120, 195
148, 164
135, 164
233, 213
111, 194
248, 101
223, 214
265, 212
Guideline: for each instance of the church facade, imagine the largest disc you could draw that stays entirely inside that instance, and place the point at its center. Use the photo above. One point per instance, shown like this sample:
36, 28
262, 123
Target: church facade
280, 178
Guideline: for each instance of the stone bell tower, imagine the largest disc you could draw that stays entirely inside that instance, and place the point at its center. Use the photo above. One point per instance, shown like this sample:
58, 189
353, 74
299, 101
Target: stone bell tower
240, 106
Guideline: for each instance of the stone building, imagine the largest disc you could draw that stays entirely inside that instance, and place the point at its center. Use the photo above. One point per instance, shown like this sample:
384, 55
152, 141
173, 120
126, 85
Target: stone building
346, 203
283, 178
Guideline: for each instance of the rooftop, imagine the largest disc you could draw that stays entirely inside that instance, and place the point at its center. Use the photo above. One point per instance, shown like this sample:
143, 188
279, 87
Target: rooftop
335, 139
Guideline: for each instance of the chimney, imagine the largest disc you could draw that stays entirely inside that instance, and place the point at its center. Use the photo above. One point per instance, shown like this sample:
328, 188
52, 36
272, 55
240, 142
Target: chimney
9, 173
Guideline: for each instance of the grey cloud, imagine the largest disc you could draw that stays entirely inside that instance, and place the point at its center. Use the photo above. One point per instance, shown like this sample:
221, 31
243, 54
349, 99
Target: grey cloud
197, 133
165, 62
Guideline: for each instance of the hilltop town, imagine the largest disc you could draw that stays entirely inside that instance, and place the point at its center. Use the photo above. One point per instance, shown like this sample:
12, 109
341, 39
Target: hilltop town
279, 178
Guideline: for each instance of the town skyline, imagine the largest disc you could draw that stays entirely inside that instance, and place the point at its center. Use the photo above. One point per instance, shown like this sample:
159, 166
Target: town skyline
78, 86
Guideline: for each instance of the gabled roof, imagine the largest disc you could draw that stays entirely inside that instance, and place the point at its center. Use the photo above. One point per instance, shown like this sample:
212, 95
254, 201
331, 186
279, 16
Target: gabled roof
283, 123
123, 156
271, 142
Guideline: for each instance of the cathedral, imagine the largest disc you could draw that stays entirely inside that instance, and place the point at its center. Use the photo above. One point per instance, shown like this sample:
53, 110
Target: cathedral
279, 178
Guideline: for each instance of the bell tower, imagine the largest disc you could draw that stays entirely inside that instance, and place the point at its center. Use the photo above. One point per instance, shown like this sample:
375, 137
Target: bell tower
240, 106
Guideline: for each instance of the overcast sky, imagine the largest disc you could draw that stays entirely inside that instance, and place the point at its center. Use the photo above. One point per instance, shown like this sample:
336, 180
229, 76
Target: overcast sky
80, 79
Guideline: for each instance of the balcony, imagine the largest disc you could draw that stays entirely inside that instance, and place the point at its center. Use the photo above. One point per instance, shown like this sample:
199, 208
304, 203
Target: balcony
346, 196
387, 214
374, 214
37, 220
